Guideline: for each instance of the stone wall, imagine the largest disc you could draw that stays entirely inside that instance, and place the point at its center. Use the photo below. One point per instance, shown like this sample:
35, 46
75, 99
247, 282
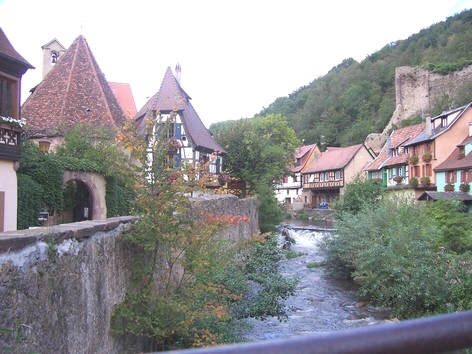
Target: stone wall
59, 285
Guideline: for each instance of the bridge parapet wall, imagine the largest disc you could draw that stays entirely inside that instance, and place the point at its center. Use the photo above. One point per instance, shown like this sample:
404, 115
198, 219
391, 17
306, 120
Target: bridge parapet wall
59, 284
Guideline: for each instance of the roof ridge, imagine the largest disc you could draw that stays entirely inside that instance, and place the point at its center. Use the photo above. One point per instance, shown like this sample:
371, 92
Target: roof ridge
69, 79
95, 73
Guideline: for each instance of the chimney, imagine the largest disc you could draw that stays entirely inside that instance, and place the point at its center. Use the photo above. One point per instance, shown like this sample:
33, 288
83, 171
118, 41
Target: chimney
428, 126
178, 70
470, 129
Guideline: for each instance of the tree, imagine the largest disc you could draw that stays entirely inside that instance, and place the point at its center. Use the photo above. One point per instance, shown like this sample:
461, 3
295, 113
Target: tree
259, 152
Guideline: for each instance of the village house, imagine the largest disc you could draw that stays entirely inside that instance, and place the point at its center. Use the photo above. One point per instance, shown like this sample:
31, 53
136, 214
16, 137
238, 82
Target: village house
12, 68
454, 175
440, 137
391, 165
325, 178
194, 142
289, 189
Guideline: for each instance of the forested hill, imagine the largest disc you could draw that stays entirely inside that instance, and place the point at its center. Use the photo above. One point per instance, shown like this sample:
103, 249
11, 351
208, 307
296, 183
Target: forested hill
354, 99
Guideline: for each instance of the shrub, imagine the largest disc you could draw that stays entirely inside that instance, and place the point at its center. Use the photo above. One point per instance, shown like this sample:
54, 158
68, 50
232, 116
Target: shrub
391, 255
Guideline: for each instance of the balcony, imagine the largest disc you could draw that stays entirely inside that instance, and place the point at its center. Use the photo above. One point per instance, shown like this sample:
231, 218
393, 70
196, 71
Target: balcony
10, 143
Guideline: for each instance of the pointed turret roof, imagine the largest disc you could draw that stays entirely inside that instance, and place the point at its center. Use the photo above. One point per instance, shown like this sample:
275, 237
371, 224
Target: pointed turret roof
171, 97
74, 92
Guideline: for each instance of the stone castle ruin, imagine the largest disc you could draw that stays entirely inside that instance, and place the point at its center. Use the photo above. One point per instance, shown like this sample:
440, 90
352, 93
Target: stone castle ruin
417, 90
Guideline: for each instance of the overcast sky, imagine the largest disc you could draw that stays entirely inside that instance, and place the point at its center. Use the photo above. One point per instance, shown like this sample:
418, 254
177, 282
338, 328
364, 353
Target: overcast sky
236, 56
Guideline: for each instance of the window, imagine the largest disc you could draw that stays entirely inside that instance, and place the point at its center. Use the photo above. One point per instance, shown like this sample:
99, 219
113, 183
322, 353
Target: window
443, 122
450, 176
466, 176
326, 176
338, 175
53, 58
7, 98
427, 170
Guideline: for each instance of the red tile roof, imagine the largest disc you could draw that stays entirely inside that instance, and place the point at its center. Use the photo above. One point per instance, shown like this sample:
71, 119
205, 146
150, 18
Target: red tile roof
125, 98
8, 52
171, 97
333, 158
397, 138
302, 154
72, 93
454, 162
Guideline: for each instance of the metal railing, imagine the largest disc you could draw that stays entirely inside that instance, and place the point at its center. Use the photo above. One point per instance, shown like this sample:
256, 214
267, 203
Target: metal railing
436, 334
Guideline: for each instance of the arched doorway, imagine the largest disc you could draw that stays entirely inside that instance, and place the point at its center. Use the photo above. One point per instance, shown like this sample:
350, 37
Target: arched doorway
85, 196
78, 201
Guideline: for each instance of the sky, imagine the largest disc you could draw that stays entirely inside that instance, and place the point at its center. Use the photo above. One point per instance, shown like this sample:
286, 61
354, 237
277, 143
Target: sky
237, 57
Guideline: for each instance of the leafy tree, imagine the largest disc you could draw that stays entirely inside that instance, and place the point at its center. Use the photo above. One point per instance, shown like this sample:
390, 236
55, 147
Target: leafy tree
259, 152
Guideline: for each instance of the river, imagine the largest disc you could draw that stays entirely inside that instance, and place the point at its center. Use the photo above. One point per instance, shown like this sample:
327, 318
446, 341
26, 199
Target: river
321, 304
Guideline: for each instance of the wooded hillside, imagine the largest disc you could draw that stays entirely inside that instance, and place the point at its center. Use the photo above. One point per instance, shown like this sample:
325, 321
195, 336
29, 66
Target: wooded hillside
355, 99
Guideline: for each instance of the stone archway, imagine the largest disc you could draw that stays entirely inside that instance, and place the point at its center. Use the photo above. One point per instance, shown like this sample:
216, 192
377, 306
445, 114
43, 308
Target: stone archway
96, 186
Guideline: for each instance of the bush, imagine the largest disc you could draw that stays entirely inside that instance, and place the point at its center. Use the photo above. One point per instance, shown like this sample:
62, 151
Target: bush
358, 193
391, 255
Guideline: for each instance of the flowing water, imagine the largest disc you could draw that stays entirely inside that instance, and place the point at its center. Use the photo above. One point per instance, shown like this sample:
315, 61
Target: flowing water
320, 304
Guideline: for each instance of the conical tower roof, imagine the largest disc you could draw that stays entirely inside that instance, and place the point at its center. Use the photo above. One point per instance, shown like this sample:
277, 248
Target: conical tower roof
74, 92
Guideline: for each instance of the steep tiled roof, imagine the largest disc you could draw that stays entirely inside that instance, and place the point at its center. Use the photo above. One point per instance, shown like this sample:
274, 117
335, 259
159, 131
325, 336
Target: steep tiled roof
453, 115
454, 161
397, 138
124, 95
333, 158
171, 97
74, 92
7, 51
302, 154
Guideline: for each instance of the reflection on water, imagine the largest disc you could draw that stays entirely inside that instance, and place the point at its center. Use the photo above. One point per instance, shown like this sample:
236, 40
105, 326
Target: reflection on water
321, 304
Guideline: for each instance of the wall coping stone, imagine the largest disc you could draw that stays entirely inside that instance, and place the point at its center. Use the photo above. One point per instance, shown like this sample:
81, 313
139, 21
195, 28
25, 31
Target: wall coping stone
16, 240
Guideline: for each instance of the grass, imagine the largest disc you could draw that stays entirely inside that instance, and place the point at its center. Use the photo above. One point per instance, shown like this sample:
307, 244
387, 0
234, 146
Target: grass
313, 265
292, 254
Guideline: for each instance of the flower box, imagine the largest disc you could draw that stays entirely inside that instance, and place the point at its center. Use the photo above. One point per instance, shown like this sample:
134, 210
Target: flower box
425, 180
449, 187
464, 187
414, 159
398, 179
427, 156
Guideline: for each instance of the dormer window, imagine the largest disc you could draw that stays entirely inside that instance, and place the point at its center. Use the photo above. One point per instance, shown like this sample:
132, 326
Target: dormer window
443, 122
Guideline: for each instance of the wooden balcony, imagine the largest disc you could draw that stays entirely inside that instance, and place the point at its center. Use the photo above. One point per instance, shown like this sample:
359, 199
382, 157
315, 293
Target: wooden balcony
10, 143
